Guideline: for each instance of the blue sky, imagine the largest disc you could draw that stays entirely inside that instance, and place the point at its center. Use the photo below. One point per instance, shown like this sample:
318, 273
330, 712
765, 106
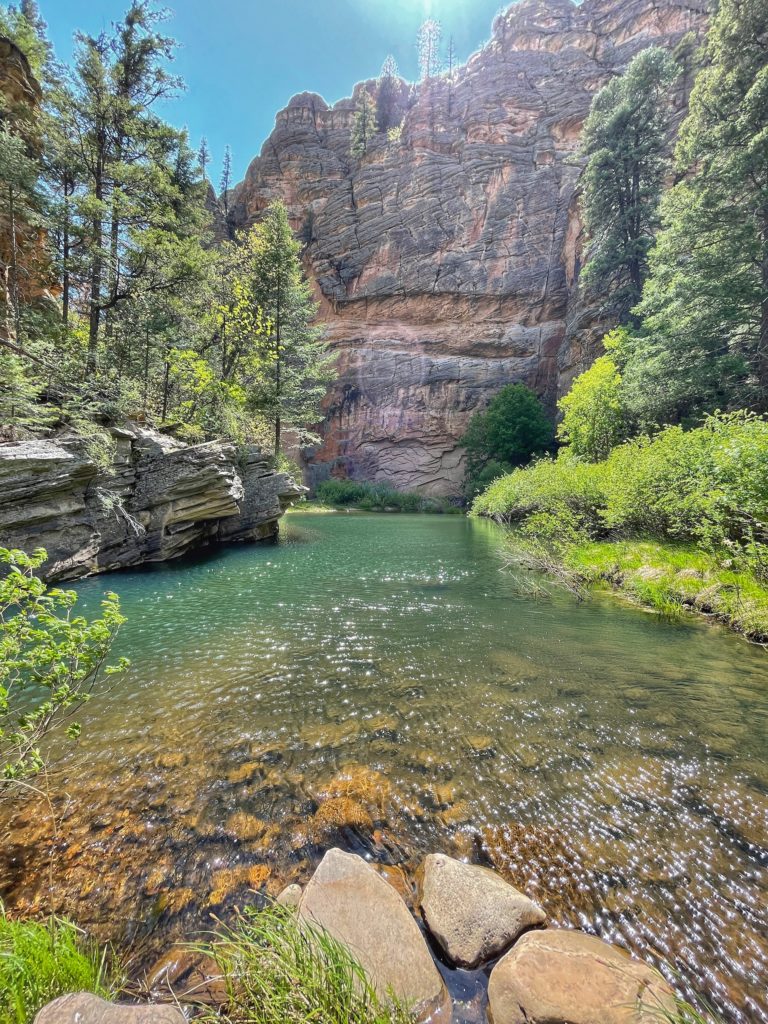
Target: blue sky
242, 60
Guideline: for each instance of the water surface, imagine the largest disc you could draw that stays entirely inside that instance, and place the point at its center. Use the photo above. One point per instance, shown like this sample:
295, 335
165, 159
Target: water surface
384, 684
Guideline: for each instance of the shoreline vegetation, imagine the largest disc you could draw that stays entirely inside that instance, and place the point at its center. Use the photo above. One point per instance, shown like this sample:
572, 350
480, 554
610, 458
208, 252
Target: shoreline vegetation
377, 497
675, 521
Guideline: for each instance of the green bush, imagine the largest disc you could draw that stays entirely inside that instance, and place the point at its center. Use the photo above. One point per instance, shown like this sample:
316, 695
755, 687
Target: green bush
278, 972
708, 485
508, 433
39, 962
50, 662
378, 497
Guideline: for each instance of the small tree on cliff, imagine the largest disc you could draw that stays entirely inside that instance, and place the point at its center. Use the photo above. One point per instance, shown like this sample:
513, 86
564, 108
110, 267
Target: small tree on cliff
364, 128
387, 113
624, 141
295, 367
428, 46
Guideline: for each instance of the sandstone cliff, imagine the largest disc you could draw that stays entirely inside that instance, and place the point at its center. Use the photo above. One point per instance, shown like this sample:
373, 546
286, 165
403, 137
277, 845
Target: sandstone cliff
446, 263
159, 499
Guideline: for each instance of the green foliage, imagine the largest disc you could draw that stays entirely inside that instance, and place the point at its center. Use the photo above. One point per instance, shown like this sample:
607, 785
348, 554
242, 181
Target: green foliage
705, 340
594, 418
708, 485
697, 498
288, 376
39, 962
51, 660
364, 127
624, 141
27, 35
508, 433
378, 498
280, 972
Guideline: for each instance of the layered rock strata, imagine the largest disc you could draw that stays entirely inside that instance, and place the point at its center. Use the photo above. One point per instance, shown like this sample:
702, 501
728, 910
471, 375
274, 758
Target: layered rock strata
446, 262
158, 499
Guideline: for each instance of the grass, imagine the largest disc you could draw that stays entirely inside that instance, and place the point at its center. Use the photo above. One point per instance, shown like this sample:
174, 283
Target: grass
372, 497
672, 578
280, 972
40, 961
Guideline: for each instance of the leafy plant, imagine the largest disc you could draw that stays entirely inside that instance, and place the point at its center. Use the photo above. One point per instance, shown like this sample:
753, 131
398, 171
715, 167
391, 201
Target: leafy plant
50, 662
378, 497
278, 971
40, 961
508, 433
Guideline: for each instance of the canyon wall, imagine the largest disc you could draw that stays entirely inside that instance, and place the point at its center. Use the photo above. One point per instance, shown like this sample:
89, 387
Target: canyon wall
155, 500
445, 263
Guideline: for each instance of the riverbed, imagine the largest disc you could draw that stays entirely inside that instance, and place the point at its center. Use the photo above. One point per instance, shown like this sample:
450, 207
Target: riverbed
391, 685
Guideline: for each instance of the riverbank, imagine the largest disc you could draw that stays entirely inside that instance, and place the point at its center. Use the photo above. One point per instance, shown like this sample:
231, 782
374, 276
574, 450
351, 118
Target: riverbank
357, 945
676, 521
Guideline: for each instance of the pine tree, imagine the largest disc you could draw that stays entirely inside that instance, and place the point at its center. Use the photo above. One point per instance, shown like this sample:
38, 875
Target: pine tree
428, 46
225, 183
624, 143
387, 95
295, 365
450, 68
364, 127
706, 302
204, 156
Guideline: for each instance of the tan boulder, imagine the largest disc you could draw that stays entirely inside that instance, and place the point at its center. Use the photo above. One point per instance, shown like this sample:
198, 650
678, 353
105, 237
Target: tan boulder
352, 902
472, 913
567, 977
84, 1008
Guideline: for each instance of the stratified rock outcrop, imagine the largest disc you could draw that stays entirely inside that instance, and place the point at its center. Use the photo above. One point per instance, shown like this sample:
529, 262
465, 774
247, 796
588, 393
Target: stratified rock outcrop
446, 263
157, 500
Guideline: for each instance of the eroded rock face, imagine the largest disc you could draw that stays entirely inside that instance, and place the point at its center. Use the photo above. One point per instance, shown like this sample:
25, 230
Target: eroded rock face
158, 500
446, 263
568, 977
354, 904
471, 912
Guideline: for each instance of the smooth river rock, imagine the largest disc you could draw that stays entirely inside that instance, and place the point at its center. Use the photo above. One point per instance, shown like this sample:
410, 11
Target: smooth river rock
353, 903
84, 1008
567, 977
472, 913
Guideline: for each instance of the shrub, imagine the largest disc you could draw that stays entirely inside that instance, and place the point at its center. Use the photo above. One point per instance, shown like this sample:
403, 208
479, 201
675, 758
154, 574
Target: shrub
39, 962
594, 419
708, 485
377, 497
278, 972
50, 661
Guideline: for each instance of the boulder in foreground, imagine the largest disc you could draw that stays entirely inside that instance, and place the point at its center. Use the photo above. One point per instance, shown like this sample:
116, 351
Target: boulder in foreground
472, 913
567, 977
85, 1008
353, 903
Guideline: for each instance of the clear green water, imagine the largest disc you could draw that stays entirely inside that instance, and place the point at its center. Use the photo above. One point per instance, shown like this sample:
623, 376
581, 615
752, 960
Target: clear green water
382, 683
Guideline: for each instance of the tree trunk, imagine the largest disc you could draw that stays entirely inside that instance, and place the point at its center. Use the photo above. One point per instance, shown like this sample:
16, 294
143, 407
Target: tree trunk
14, 267
762, 345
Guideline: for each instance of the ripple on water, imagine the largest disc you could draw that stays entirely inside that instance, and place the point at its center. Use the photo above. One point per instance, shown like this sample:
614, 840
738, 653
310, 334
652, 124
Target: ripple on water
379, 683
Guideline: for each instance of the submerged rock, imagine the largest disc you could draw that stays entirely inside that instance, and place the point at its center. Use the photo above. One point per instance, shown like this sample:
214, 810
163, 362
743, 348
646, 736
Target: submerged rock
354, 904
84, 1008
568, 977
470, 911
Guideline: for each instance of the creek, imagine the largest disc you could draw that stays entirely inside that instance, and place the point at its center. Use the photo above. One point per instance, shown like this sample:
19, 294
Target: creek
388, 684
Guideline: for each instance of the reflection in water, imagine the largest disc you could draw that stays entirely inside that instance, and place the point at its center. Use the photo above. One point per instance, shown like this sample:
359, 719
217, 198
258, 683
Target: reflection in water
378, 682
